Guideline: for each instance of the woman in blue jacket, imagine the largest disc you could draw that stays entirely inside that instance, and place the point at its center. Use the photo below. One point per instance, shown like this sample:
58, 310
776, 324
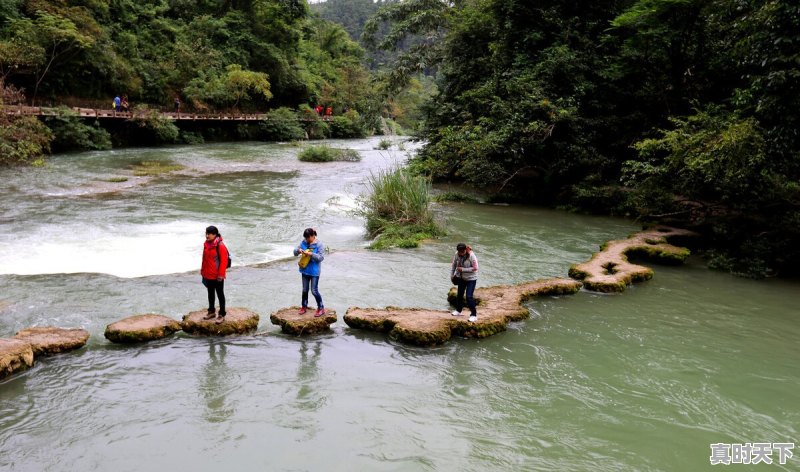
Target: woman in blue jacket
312, 252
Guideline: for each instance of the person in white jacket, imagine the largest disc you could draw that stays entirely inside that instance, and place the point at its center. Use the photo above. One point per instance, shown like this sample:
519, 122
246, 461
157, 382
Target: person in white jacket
464, 273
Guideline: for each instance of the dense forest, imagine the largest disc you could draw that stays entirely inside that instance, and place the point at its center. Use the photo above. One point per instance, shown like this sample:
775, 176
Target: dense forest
251, 55
682, 111
678, 111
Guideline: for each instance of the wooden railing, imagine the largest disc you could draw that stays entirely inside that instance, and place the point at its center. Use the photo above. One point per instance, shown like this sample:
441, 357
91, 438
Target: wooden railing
104, 113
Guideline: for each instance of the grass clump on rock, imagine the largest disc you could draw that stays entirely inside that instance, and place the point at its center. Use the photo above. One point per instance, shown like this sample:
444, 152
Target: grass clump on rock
328, 154
397, 209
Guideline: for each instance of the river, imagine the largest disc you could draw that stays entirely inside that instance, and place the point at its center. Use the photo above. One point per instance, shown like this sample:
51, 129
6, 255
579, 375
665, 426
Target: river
643, 380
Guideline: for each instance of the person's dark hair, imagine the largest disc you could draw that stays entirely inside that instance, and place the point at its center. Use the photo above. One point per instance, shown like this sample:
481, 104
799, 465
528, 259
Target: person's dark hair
309, 232
461, 247
212, 230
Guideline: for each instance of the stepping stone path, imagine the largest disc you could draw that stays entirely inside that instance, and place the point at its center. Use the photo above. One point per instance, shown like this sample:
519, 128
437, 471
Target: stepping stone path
15, 355
293, 323
609, 269
141, 328
47, 340
237, 321
422, 327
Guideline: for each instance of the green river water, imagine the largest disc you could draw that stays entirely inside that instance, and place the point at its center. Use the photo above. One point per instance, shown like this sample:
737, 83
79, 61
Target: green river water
645, 380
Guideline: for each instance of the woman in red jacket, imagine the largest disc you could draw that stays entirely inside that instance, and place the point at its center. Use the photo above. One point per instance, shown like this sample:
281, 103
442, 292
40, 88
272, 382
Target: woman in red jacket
215, 261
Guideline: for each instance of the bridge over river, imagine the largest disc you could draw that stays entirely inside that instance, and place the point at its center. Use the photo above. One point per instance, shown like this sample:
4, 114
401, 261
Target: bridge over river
99, 113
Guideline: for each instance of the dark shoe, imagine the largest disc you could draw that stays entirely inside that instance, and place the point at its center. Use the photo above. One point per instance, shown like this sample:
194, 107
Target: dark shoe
211, 315
320, 312
219, 319
302, 311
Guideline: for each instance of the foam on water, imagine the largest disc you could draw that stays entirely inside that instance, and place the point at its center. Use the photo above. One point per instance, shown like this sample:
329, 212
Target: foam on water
119, 250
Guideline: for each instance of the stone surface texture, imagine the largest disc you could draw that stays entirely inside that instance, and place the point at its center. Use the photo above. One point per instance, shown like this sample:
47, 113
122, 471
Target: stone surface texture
424, 327
293, 323
141, 328
237, 321
610, 271
15, 355
48, 340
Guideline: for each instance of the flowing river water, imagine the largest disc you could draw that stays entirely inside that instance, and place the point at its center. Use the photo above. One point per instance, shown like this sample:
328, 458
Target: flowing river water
644, 380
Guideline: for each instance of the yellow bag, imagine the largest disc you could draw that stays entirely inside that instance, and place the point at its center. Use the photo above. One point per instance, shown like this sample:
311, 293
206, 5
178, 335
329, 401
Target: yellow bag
304, 260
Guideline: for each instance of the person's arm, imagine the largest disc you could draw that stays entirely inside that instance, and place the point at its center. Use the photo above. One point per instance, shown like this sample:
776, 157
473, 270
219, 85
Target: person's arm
223, 261
298, 250
474, 261
318, 254
453, 266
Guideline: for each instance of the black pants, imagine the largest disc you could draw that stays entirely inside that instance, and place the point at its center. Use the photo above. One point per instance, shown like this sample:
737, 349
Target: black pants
469, 287
219, 287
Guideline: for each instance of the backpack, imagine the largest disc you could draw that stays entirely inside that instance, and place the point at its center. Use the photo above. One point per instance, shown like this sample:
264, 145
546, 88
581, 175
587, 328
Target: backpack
230, 257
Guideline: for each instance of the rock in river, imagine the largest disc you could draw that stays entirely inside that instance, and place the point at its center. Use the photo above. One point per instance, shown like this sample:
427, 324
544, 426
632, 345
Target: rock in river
47, 340
140, 328
237, 321
293, 323
15, 355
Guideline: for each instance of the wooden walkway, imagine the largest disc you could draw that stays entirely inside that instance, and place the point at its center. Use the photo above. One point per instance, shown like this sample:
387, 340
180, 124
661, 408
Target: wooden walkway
127, 115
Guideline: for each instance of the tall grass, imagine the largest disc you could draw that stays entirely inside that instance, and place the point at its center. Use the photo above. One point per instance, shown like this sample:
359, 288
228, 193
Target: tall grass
397, 210
328, 154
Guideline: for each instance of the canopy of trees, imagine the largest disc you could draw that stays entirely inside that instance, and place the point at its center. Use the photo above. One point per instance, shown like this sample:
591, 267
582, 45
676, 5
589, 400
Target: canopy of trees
680, 110
221, 54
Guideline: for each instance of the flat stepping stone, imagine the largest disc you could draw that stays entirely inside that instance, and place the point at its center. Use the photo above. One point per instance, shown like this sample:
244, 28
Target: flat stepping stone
609, 269
141, 328
425, 327
47, 340
15, 355
293, 323
237, 321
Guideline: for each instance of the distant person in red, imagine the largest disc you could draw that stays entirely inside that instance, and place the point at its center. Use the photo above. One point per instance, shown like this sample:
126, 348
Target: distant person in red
328, 112
319, 110
215, 262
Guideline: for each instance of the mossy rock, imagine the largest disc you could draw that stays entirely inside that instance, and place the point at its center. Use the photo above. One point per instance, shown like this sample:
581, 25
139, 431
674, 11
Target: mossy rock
15, 355
610, 270
141, 328
424, 327
293, 323
237, 321
47, 340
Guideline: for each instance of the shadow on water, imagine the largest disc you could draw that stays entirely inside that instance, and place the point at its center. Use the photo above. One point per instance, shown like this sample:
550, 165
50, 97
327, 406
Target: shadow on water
216, 382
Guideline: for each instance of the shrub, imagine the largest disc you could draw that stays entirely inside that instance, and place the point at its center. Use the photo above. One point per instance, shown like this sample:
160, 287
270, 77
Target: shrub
455, 197
70, 133
23, 139
384, 144
328, 154
397, 209
159, 128
348, 126
282, 125
190, 137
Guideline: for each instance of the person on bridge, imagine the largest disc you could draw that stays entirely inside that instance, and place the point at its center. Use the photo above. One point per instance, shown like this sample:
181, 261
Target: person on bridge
328, 113
212, 270
318, 109
124, 105
117, 104
464, 274
310, 263
177, 105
